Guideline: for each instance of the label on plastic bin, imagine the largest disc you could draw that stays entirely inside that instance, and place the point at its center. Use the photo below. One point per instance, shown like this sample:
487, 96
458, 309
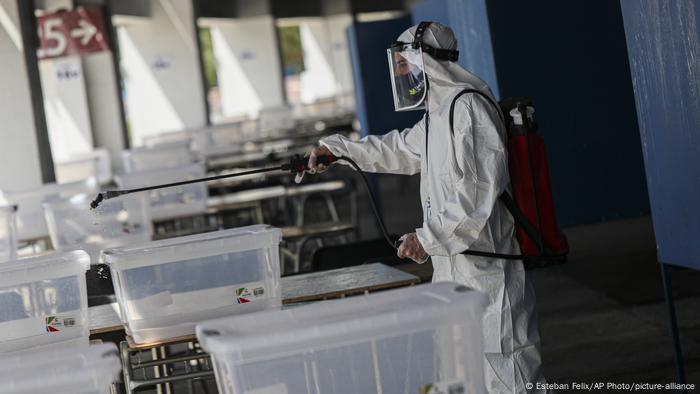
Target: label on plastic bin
59, 323
249, 293
279, 388
445, 387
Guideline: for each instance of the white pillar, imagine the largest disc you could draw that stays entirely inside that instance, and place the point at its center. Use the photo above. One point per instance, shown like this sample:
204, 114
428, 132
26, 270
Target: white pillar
162, 74
103, 97
19, 152
66, 107
340, 58
249, 68
85, 112
318, 80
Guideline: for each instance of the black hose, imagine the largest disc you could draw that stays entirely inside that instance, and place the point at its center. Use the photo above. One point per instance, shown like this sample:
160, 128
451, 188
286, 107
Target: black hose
372, 200
477, 253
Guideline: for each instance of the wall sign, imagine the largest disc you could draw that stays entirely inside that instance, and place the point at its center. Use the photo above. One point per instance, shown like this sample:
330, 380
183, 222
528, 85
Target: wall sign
161, 62
68, 70
67, 33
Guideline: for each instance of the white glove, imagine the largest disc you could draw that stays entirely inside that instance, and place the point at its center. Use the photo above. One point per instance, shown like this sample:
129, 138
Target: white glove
314, 167
411, 247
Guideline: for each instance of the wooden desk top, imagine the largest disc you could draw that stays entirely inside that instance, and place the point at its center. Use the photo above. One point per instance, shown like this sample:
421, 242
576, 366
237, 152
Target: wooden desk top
314, 286
343, 282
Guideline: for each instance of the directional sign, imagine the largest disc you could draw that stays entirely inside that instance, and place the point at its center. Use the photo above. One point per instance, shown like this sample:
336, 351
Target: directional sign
67, 33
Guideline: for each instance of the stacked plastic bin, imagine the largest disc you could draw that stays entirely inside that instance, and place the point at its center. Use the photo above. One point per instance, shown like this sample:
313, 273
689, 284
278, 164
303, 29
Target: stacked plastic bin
95, 164
422, 339
167, 138
218, 140
165, 288
84, 370
276, 119
119, 221
172, 202
31, 223
43, 301
163, 156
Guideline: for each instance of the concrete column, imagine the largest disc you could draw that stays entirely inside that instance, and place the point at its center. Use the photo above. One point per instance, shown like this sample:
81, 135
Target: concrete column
249, 68
161, 72
82, 111
66, 106
340, 58
103, 98
19, 150
318, 80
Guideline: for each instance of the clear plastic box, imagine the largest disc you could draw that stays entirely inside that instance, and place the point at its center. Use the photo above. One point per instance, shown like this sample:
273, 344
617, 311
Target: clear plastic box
115, 222
91, 164
278, 118
399, 341
210, 140
171, 202
167, 138
83, 370
165, 287
31, 223
163, 156
8, 233
43, 300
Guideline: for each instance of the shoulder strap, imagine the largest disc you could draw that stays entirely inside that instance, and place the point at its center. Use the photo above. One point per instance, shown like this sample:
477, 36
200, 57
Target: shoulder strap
505, 197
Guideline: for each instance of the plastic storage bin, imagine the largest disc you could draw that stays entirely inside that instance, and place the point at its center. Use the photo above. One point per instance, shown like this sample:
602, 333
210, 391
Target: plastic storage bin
171, 202
163, 156
82, 166
31, 224
8, 233
165, 287
400, 341
119, 221
279, 118
167, 138
211, 141
43, 301
84, 370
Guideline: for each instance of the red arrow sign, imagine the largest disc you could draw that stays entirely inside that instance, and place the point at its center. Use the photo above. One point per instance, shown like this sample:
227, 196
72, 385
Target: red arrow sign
67, 33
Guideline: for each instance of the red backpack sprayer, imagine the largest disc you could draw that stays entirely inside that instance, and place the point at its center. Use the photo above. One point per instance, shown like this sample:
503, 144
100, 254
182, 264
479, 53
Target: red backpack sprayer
541, 241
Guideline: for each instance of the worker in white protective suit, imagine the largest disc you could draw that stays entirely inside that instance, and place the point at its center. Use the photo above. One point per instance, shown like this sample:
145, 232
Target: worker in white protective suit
462, 176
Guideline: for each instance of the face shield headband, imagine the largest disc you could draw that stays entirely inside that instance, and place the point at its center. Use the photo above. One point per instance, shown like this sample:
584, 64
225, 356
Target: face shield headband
451, 55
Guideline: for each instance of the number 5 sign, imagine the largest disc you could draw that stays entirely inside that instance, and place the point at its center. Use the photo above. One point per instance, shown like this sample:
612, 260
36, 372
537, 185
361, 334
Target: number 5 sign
67, 33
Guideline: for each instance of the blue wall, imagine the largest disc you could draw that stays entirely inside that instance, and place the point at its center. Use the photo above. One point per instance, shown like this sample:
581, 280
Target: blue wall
571, 58
368, 43
664, 49
469, 21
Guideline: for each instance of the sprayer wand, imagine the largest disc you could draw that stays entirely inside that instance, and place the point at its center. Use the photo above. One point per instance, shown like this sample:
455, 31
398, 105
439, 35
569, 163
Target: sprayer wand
296, 164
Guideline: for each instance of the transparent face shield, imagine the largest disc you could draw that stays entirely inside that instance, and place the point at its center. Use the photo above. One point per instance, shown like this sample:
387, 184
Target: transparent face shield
407, 77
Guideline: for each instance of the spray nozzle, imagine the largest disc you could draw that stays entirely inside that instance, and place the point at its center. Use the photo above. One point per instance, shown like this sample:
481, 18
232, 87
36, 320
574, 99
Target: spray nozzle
105, 196
96, 202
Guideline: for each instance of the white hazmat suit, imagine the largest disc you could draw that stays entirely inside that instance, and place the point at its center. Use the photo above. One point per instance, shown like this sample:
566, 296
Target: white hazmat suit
461, 181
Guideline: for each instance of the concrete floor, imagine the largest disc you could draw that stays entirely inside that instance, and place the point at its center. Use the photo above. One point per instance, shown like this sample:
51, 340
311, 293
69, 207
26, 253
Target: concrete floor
602, 315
